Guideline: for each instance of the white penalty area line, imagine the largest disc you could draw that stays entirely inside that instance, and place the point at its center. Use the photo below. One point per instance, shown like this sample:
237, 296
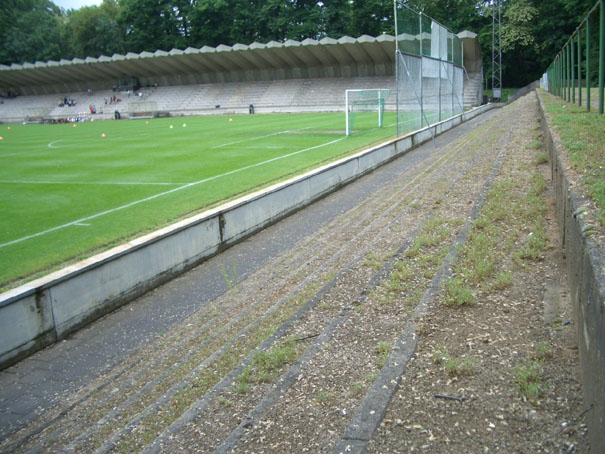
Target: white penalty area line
259, 148
84, 220
250, 139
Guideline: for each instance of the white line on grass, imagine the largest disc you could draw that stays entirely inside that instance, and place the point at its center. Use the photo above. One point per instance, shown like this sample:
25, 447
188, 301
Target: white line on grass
260, 137
258, 148
147, 199
251, 138
51, 144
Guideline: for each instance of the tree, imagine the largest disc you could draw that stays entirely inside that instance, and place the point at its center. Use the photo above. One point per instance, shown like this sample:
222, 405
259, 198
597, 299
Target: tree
371, 17
336, 18
94, 31
31, 31
150, 25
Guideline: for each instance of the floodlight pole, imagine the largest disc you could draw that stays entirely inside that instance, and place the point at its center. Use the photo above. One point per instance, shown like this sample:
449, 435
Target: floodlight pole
496, 51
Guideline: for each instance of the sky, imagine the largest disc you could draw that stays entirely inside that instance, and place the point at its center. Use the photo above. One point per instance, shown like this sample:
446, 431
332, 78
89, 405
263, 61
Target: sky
76, 4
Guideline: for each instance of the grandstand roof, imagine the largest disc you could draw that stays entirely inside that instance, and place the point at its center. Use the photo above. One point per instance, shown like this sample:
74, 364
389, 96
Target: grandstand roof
363, 56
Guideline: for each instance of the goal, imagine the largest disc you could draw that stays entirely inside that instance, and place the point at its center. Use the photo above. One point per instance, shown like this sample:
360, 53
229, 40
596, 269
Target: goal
365, 108
142, 109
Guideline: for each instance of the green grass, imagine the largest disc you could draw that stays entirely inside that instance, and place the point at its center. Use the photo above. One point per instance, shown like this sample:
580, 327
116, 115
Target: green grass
583, 137
67, 192
528, 379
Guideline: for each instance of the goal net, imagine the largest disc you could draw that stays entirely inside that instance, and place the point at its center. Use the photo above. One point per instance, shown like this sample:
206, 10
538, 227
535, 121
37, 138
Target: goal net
142, 109
365, 108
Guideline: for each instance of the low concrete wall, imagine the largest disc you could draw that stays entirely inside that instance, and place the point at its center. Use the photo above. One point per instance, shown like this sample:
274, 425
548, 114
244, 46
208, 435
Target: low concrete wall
586, 275
45, 310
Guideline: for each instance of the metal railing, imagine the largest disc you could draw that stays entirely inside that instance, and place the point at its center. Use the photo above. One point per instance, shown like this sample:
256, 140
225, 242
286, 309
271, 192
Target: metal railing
563, 77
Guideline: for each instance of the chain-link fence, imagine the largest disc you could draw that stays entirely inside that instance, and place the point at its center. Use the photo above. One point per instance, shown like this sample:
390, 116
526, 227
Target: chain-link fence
429, 79
577, 74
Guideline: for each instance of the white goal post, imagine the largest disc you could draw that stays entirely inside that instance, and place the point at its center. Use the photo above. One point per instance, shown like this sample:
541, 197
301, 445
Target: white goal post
368, 100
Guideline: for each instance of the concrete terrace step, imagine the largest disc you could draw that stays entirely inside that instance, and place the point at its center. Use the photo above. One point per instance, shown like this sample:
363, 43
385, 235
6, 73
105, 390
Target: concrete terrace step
301, 346
305, 292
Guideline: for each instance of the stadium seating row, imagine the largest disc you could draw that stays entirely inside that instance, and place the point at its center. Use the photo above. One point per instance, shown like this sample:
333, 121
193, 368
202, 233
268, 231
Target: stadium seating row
290, 95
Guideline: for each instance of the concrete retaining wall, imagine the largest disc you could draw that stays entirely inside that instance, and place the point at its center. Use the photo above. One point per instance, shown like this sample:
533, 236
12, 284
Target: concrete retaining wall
45, 310
586, 275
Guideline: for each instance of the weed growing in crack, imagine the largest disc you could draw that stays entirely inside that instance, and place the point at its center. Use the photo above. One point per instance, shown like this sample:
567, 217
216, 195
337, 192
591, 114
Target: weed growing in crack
503, 280
325, 397
382, 351
541, 158
224, 401
230, 275
534, 245
266, 364
457, 367
458, 293
528, 380
542, 352
440, 354
357, 389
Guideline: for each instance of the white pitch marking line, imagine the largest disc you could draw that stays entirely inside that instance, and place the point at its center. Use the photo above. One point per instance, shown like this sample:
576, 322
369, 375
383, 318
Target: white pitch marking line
260, 137
147, 199
250, 139
51, 144
258, 148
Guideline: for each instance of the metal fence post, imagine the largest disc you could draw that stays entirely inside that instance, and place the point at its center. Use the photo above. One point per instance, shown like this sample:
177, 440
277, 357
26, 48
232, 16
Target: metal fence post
601, 56
588, 63
572, 70
567, 74
579, 69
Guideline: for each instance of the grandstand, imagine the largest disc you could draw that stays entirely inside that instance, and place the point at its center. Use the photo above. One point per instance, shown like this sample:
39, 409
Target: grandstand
307, 76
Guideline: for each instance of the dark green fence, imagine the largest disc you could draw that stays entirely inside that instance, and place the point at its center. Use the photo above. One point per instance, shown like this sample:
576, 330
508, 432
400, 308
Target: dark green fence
577, 73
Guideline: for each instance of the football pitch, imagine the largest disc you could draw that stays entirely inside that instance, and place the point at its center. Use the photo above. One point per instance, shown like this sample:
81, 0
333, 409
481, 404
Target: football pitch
67, 192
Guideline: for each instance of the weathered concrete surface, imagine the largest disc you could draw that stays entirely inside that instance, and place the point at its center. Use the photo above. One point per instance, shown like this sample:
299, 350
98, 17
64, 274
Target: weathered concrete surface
586, 274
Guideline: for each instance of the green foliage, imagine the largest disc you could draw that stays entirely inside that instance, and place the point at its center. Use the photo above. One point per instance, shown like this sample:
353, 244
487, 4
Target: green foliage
503, 280
31, 31
93, 31
440, 354
37, 30
382, 351
527, 377
517, 28
541, 158
457, 367
583, 135
458, 293
266, 364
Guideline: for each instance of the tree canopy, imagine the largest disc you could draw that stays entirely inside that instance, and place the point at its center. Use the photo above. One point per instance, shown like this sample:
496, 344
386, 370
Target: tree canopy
37, 30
